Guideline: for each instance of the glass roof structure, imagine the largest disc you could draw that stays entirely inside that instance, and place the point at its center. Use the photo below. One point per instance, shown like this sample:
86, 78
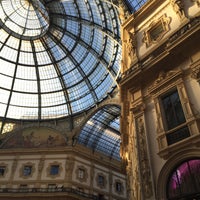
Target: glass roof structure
101, 132
134, 5
59, 58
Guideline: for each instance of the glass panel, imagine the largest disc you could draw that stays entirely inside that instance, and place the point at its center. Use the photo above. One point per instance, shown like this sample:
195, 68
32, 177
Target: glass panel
54, 169
173, 110
27, 170
49, 70
134, 5
101, 132
184, 183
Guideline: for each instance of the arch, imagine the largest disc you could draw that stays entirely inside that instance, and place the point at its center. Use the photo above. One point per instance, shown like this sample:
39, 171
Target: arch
174, 161
111, 102
100, 131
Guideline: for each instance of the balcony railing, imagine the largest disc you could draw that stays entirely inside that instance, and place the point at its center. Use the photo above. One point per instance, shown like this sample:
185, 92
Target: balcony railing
49, 190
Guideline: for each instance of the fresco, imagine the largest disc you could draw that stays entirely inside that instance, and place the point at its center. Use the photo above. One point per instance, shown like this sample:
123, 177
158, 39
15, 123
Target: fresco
34, 138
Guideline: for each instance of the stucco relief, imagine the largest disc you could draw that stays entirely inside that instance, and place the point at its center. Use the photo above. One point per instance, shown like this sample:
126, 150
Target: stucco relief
197, 2
156, 30
178, 7
123, 12
143, 158
129, 50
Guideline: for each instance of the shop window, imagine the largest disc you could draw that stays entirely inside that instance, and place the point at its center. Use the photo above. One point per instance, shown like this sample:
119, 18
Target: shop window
184, 181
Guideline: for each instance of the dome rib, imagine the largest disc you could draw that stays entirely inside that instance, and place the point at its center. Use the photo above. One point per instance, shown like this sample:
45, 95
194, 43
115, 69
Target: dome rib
85, 78
62, 82
98, 56
38, 80
69, 60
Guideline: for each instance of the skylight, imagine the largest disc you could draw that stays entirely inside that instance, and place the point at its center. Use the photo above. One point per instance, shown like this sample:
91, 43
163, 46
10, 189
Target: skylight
57, 58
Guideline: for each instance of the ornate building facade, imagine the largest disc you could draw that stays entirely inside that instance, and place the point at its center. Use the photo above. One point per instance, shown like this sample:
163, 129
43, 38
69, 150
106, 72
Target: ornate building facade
160, 100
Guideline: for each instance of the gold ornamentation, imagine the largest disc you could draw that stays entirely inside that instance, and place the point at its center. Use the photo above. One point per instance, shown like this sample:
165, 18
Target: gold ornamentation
178, 7
157, 29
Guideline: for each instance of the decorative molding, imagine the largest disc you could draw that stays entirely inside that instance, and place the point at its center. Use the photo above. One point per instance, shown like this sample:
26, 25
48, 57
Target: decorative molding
178, 7
197, 2
81, 177
101, 185
145, 173
123, 11
157, 29
196, 71
49, 169
32, 170
165, 78
121, 190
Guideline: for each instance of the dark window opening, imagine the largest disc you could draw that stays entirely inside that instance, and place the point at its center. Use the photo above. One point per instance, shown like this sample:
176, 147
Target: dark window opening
173, 111
27, 170
101, 180
54, 170
2, 170
184, 181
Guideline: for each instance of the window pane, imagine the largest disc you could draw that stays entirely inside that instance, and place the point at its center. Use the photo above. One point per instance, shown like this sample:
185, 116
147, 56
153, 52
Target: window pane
54, 169
184, 181
173, 110
27, 170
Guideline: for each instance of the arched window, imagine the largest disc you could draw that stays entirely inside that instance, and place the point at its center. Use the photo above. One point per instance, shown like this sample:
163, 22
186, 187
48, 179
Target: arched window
184, 181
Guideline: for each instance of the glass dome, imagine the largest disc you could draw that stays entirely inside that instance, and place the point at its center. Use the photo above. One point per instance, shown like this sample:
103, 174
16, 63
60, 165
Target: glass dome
57, 58
134, 5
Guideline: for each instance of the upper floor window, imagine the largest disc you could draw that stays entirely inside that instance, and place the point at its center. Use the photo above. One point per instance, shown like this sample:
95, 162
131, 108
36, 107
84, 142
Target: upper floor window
174, 117
54, 170
27, 170
173, 111
118, 187
2, 170
81, 173
101, 181
156, 31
